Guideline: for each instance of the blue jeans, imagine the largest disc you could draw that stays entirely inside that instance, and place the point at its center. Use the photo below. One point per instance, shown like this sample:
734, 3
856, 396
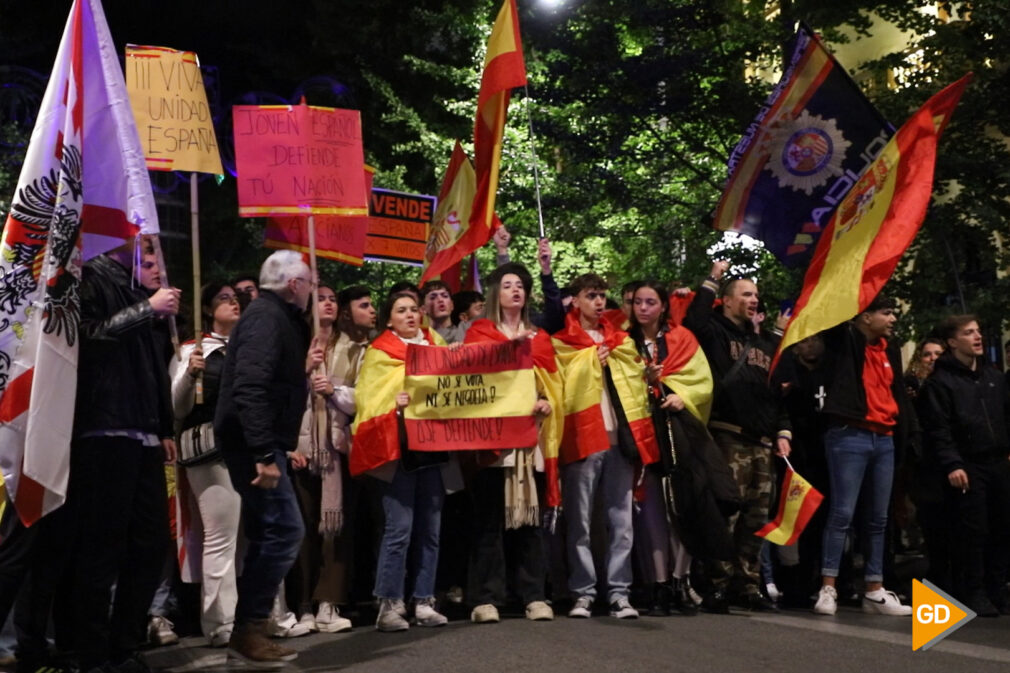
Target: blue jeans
615, 475
857, 457
412, 503
273, 529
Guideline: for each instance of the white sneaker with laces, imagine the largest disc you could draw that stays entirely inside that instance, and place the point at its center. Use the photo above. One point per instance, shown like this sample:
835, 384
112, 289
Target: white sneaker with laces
881, 602
160, 631
827, 601
425, 613
328, 619
392, 613
583, 608
773, 592
621, 608
308, 620
287, 627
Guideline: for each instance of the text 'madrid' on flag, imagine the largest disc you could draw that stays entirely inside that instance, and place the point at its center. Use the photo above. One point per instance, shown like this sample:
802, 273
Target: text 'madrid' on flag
812, 138
874, 224
798, 501
83, 190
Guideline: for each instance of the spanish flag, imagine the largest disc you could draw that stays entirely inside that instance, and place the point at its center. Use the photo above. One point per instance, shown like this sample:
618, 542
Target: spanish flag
585, 432
797, 503
375, 431
548, 380
874, 224
451, 221
686, 372
504, 70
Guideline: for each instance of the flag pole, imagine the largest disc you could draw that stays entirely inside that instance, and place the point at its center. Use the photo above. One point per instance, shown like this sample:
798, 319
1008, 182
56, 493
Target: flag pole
533, 153
194, 222
315, 276
163, 275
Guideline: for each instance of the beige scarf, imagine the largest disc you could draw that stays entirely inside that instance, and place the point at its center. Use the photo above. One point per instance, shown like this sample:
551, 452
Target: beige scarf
343, 362
522, 508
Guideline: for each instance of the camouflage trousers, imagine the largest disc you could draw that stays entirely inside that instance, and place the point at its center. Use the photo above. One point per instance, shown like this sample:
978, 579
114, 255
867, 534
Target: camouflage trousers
752, 468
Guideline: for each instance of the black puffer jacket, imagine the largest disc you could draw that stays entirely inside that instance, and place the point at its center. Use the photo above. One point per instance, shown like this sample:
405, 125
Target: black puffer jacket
122, 381
965, 413
263, 385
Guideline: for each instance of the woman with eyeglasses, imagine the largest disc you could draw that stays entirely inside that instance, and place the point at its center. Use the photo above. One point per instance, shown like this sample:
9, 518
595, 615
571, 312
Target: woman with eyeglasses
215, 530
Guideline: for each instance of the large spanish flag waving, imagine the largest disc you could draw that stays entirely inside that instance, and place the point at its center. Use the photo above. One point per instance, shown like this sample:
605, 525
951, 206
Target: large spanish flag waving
874, 224
504, 70
548, 381
584, 432
375, 431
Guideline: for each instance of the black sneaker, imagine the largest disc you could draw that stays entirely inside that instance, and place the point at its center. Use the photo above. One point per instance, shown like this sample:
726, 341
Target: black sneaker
757, 603
716, 603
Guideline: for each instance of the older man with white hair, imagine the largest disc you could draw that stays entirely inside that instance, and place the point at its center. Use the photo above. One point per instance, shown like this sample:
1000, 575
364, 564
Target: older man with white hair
262, 397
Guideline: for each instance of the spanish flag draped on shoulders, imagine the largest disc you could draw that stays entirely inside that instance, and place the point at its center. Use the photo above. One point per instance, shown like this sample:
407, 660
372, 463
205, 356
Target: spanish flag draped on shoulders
585, 431
548, 378
375, 431
686, 371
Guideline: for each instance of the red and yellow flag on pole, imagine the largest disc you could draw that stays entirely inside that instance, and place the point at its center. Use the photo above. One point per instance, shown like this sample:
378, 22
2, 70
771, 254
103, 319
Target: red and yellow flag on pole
504, 70
797, 503
451, 221
874, 224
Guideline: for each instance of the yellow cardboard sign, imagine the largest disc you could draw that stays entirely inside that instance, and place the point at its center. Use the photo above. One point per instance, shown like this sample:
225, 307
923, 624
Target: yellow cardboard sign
170, 107
935, 614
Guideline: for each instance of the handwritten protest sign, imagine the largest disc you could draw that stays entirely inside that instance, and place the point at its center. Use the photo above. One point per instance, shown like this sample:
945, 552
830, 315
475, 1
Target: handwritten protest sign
170, 105
298, 160
398, 227
341, 239
478, 397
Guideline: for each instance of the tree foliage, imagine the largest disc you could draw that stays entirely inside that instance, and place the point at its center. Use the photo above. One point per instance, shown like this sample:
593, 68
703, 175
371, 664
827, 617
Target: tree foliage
635, 105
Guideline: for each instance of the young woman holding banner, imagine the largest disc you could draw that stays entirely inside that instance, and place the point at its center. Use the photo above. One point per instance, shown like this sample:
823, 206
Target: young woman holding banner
508, 487
413, 489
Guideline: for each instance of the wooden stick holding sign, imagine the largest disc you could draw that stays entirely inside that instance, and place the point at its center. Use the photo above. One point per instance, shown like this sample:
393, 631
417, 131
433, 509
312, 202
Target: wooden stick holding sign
194, 223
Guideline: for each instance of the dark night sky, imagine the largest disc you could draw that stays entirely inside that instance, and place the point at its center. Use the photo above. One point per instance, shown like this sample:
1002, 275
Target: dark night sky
252, 42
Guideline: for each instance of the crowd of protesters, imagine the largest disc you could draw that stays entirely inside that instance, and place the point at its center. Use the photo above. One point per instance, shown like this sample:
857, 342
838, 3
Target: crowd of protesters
296, 505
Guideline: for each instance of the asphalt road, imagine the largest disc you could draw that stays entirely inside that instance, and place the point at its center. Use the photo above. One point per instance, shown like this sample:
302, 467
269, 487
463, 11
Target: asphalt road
776, 642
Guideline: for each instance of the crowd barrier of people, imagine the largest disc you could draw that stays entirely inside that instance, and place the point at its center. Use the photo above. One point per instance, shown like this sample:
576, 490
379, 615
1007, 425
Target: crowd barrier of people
296, 505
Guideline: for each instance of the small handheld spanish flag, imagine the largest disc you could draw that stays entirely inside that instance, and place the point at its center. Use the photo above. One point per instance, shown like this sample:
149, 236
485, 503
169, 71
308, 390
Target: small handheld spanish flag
797, 503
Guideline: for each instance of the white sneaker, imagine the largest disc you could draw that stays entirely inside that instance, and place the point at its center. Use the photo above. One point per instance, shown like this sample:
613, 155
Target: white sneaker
287, 627
426, 615
160, 631
621, 608
485, 614
827, 601
773, 592
221, 638
539, 611
391, 617
881, 602
583, 608
308, 620
328, 619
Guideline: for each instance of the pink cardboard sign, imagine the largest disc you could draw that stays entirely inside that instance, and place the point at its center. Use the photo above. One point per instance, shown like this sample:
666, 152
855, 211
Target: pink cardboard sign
299, 160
